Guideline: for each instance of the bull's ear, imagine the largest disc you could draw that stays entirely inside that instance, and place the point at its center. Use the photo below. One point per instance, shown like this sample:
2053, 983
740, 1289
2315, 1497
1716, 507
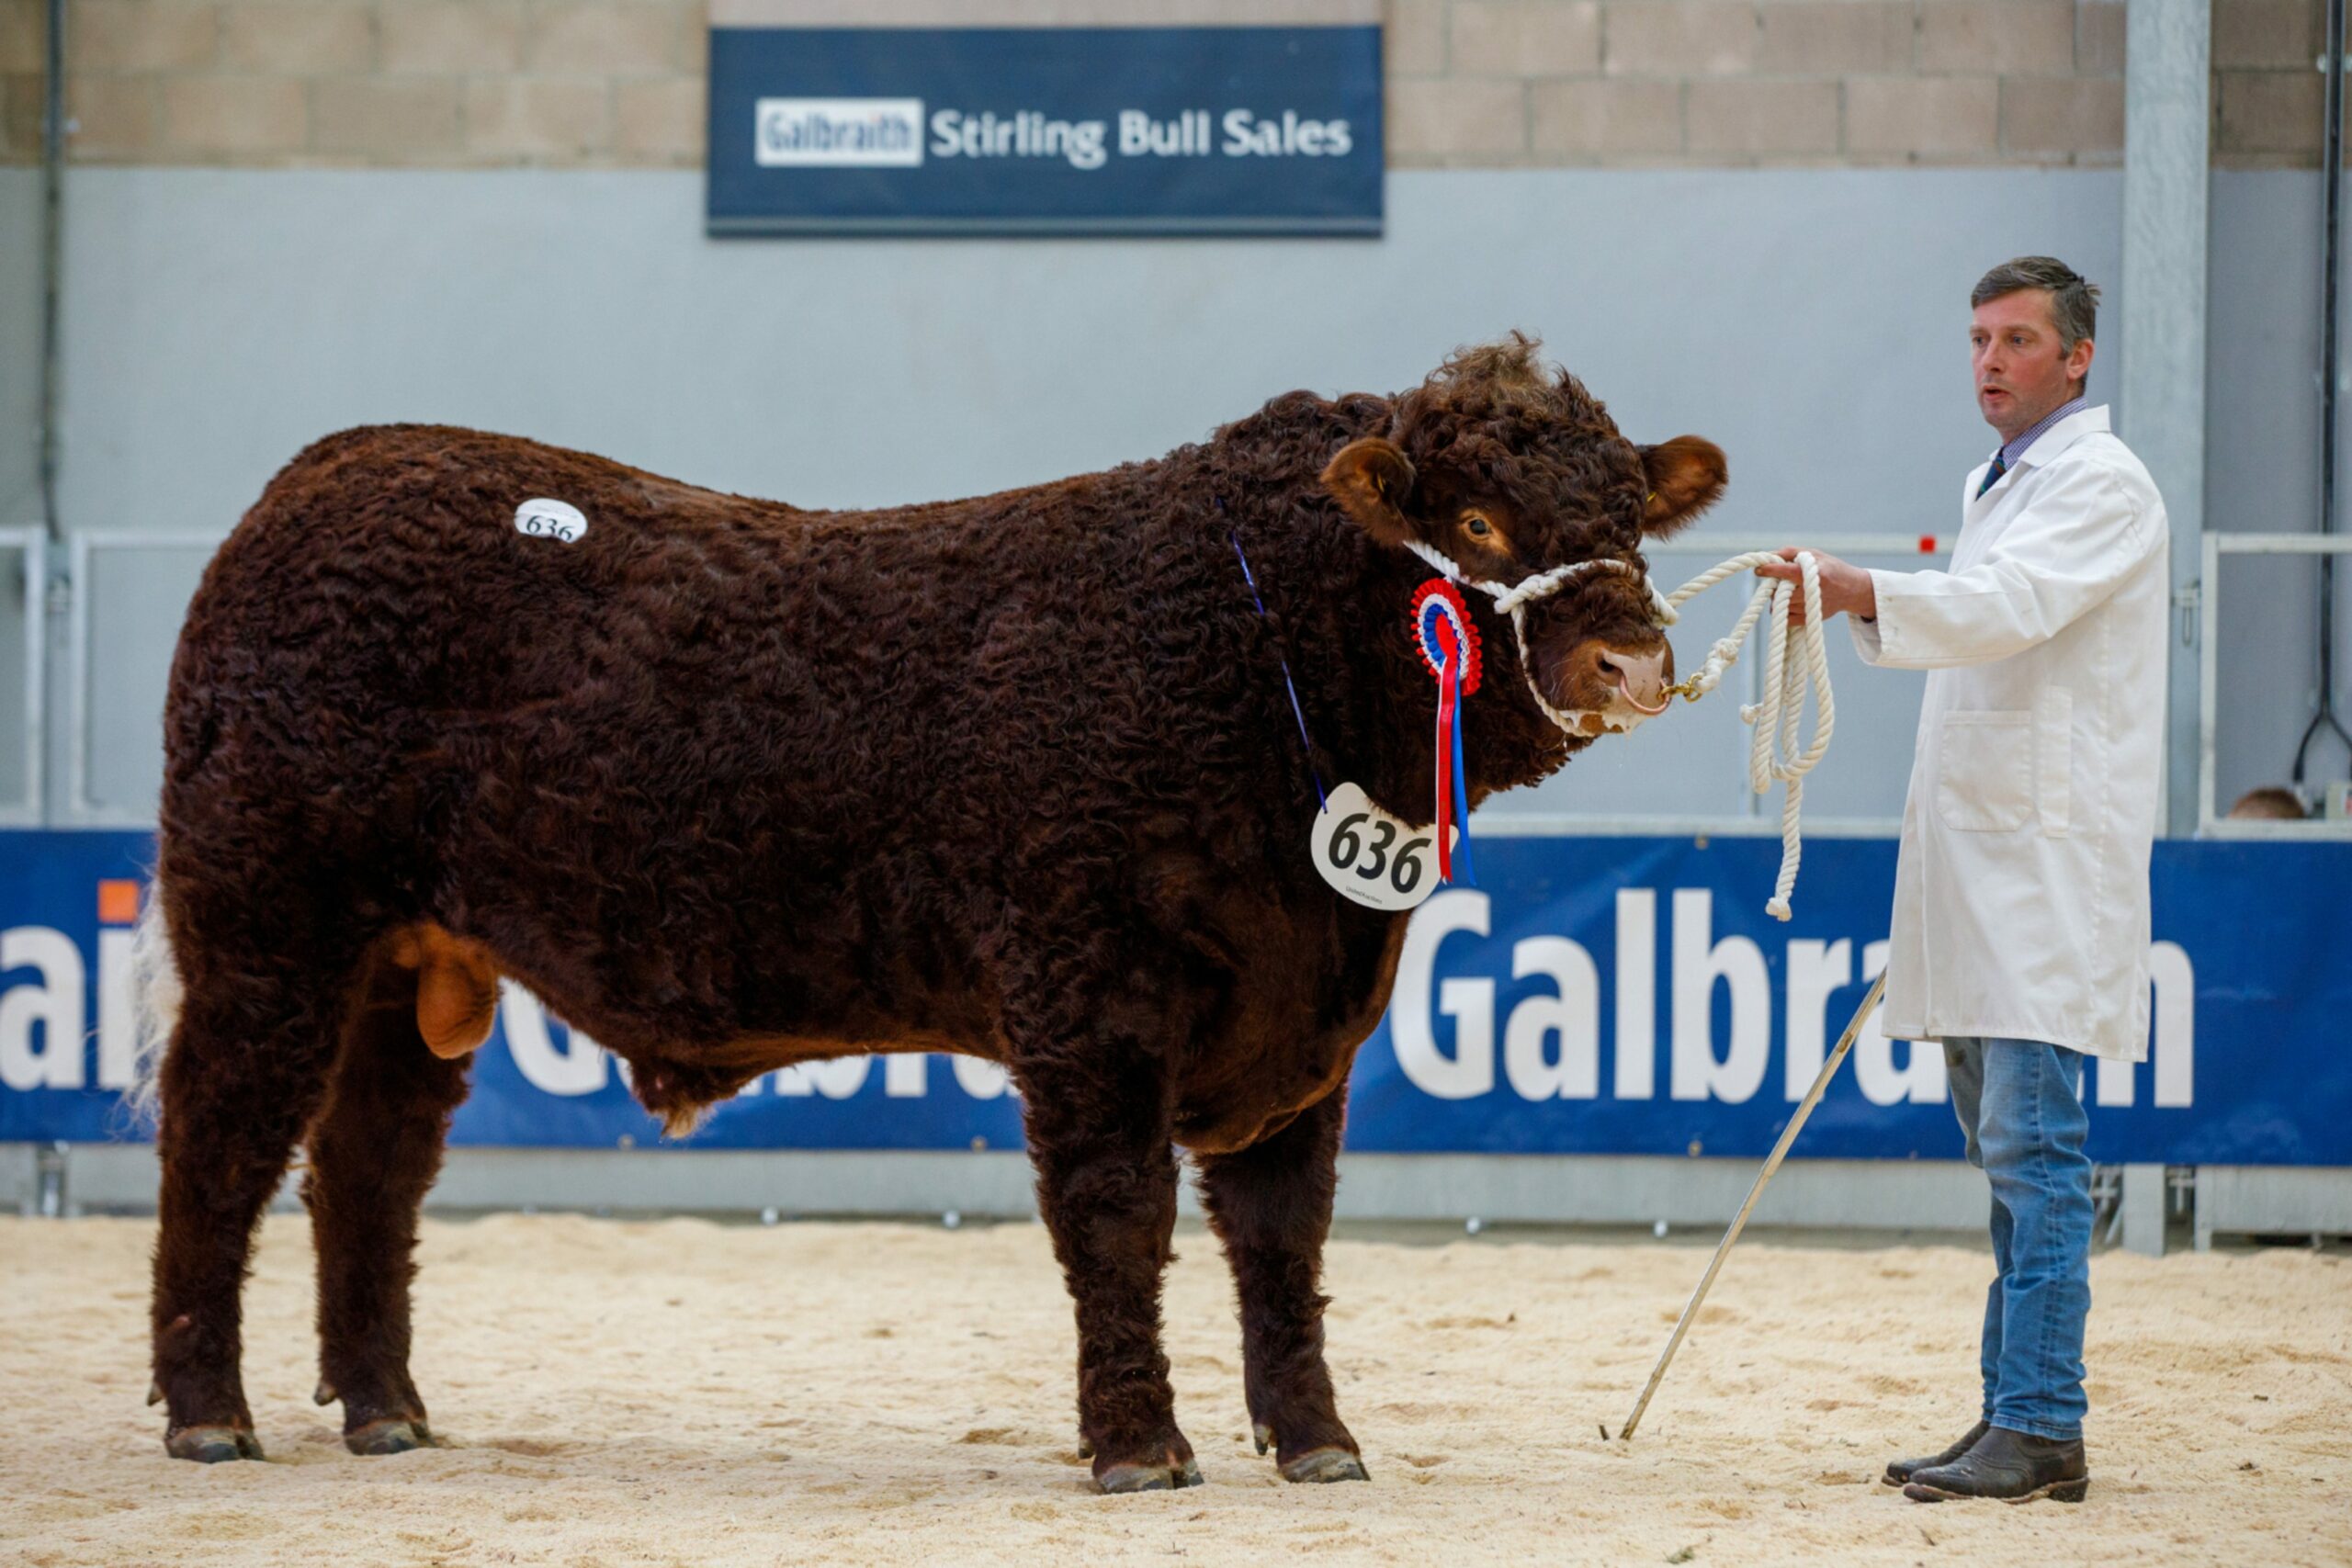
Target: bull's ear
1370, 479
1686, 477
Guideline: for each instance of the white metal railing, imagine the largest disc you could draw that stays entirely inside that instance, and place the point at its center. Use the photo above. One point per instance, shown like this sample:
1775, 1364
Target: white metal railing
81, 811
1839, 545
2210, 823
31, 544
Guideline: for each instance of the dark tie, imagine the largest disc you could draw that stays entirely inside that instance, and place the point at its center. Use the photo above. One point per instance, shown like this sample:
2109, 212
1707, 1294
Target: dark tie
1992, 474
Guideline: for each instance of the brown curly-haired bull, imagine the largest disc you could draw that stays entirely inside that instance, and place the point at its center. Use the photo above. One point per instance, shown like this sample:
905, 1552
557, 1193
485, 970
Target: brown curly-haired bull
734, 785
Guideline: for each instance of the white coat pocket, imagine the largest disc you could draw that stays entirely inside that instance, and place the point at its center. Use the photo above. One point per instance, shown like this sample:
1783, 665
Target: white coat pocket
1984, 773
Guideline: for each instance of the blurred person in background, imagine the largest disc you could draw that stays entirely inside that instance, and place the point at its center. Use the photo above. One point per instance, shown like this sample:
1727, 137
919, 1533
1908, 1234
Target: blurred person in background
2272, 803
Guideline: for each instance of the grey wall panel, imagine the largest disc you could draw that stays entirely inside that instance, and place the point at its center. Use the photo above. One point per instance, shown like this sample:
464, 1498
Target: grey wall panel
2262, 352
2268, 673
20, 299
137, 600
2262, 476
21, 234
1812, 321
16, 730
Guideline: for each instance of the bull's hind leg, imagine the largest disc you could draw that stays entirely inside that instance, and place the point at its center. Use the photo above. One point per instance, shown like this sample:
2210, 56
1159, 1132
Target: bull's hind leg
1271, 1205
374, 1151
244, 1073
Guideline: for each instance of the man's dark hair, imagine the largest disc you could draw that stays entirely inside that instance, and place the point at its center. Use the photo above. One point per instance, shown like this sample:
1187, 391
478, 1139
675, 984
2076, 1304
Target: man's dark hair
2074, 300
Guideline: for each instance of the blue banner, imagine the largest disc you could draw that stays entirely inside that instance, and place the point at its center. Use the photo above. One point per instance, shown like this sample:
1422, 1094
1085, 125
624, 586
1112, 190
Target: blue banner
1591, 996
1045, 130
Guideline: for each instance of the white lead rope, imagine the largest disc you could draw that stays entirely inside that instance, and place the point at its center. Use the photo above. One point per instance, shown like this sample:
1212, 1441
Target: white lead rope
1777, 751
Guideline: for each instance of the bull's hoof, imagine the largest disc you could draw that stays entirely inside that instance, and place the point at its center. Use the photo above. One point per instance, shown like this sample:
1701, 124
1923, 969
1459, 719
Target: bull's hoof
392, 1435
211, 1445
1166, 1477
1325, 1464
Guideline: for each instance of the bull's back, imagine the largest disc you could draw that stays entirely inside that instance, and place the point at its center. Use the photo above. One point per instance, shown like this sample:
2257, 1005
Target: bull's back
696, 691
379, 619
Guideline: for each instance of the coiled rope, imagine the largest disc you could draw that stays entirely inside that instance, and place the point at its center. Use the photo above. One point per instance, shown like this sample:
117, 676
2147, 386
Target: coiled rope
1777, 751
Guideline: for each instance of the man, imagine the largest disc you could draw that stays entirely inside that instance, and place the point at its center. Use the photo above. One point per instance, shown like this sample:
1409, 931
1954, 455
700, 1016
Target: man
2019, 936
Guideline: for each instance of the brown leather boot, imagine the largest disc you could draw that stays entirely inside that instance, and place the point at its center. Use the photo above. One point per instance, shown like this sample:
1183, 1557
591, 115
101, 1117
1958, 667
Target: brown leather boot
1901, 1469
2015, 1467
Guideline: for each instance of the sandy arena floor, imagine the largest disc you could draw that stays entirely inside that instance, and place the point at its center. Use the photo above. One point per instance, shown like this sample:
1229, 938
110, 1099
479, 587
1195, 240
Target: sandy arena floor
679, 1392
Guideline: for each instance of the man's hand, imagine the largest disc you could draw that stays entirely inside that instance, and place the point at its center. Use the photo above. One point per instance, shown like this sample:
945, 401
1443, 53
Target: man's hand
1843, 587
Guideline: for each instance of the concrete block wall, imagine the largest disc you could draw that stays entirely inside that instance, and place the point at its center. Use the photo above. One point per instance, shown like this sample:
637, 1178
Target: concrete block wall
368, 82
1472, 82
2267, 96
1737, 82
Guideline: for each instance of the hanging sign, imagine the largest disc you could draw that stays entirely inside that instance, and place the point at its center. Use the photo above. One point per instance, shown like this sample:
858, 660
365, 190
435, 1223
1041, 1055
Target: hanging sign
1156, 117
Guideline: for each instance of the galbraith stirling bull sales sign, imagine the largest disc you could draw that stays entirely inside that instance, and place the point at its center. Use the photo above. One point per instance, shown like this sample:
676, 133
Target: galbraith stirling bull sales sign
1156, 117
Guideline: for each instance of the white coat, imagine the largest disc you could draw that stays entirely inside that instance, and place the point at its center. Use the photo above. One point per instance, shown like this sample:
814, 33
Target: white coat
2021, 888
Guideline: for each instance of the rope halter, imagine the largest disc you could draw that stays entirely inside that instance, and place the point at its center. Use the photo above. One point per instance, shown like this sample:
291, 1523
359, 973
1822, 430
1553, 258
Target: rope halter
1513, 600
1777, 752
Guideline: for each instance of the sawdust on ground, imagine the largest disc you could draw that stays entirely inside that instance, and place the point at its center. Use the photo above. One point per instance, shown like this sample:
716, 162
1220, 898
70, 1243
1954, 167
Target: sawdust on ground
683, 1393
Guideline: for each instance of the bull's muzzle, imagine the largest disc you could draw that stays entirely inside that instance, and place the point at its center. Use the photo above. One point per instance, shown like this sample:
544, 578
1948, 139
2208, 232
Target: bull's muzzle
1640, 677
1611, 687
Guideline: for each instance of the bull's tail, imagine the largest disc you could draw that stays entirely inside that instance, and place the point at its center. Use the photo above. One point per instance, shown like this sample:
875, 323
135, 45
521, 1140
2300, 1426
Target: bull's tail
156, 993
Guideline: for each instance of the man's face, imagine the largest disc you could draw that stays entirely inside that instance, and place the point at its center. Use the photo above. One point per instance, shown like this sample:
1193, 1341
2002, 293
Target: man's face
2021, 371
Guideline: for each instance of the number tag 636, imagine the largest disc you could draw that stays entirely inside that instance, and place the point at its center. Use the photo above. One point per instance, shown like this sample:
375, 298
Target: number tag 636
545, 519
1376, 859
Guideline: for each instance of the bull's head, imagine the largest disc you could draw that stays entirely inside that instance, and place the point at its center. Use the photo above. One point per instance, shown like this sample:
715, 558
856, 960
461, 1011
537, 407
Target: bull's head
1508, 471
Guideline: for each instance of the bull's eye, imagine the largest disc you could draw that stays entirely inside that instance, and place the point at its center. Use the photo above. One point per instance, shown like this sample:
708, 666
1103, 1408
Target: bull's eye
1478, 527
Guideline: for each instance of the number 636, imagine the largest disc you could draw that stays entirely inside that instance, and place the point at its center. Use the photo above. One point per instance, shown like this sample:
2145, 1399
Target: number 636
1402, 869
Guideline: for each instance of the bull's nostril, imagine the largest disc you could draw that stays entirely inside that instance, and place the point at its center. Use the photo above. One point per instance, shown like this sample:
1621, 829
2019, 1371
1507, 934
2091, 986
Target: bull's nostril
1618, 681
1639, 678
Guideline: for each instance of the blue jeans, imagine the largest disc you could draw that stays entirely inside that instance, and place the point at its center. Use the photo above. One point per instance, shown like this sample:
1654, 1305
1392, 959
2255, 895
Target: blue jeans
2019, 1104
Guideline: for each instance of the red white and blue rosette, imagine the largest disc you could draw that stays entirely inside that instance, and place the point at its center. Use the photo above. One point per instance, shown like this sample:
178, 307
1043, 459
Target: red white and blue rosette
1448, 640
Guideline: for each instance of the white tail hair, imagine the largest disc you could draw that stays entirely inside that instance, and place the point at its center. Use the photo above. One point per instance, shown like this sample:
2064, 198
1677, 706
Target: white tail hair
156, 993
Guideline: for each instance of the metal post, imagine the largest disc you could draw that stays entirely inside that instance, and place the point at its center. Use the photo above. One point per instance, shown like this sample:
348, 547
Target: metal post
53, 245
48, 1165
2142, 1209
2161, 400
2331, 182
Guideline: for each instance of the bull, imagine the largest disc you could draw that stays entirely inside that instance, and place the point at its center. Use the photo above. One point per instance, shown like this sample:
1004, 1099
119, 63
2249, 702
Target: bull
734, 785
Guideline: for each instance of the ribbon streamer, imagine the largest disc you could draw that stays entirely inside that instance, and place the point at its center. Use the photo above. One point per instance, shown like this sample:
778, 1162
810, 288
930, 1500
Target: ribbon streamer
1448, 641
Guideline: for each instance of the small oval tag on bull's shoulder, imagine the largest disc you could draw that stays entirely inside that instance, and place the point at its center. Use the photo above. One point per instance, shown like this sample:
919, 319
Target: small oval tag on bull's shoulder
1380, 860
544, 519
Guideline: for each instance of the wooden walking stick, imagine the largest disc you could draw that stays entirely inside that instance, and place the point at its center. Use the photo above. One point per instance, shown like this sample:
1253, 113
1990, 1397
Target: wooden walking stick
1771, 1164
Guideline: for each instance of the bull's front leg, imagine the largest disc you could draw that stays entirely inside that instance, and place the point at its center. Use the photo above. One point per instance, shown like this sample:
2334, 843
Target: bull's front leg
1271, 1205
1098, 1112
